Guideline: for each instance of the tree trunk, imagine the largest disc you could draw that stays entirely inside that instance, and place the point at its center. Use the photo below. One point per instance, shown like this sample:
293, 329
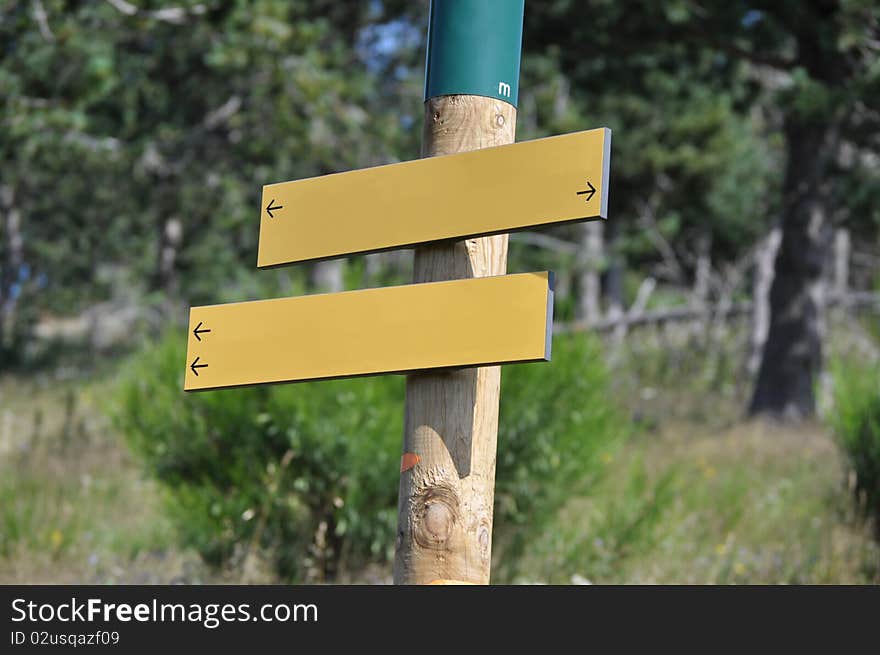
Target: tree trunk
590, 258
169, 245
702, 275
10, 269
763, 280
842, 247
372, 269
616, 269
327, 277
793, 352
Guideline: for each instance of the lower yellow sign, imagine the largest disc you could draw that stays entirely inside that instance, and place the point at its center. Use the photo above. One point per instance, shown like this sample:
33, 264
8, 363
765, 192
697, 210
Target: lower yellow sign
480, 321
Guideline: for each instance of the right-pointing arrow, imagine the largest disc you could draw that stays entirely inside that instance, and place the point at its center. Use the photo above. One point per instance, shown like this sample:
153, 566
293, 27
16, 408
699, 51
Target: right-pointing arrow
590, 192
195, 365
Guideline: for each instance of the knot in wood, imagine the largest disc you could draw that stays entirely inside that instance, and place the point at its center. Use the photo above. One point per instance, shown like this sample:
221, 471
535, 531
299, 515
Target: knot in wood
438, 521
435, 516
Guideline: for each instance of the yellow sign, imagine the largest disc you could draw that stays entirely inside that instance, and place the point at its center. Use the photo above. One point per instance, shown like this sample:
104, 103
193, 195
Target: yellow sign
474, 322
488, 191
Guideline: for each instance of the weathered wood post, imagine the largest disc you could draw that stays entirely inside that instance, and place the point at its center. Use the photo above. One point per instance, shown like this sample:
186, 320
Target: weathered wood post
447, 483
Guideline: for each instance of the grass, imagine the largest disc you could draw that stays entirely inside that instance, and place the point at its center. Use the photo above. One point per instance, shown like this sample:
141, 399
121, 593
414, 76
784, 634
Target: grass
698, 495
73, 506
703, 495
755, 503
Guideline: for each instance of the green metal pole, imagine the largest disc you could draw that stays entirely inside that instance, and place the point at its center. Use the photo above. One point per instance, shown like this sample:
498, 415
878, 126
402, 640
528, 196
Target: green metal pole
474, 48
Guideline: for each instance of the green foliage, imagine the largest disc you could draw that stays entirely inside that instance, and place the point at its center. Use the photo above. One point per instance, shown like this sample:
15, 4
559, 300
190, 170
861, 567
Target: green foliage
557, 424
856, 422
127, 136
308, 473
135, 142
697, 95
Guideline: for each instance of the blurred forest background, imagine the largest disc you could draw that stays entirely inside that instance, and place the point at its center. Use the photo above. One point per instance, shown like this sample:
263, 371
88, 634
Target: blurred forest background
712, 411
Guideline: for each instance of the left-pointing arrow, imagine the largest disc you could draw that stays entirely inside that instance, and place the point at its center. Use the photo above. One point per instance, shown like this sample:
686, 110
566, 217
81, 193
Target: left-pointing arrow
270, 208
195, 365
199, 331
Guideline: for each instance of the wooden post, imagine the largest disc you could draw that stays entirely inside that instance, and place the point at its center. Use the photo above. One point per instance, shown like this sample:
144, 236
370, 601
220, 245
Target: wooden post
447, 483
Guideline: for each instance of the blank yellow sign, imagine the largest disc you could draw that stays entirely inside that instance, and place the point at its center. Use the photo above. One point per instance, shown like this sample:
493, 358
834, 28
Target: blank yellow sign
491, 320
488, 191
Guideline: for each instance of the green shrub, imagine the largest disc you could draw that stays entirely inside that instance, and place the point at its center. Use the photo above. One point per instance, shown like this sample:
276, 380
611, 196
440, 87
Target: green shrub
308, 473
856, 422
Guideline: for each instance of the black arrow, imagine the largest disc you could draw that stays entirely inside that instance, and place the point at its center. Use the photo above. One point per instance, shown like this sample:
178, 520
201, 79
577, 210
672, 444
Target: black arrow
197, 331
195, 365
590, 192
270, 208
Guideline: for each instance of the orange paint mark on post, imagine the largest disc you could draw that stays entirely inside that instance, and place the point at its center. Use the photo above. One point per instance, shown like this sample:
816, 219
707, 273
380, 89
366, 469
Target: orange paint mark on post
408, 461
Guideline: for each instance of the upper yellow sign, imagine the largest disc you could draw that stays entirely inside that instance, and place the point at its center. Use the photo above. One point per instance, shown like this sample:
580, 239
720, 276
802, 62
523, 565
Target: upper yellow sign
489, 191
475, 322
